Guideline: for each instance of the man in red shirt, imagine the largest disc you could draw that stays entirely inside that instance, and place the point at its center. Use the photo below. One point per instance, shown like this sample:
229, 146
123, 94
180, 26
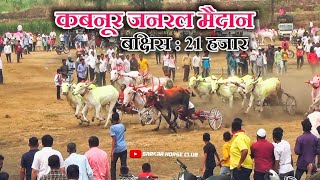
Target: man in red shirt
262, 153
19, 51
146, 172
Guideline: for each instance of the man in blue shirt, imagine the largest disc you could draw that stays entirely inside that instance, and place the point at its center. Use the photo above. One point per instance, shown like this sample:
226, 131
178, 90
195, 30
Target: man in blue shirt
119, 146
82, 71
206, 64
85, 171
27, 159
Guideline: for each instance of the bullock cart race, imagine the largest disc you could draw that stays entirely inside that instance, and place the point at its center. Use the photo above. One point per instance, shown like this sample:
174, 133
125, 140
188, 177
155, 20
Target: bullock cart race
74, 84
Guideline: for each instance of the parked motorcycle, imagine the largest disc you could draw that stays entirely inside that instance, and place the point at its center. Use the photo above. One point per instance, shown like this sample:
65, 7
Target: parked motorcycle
186, 175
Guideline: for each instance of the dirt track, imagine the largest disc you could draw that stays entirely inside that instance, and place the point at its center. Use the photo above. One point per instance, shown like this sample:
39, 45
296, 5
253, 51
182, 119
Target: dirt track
28, 99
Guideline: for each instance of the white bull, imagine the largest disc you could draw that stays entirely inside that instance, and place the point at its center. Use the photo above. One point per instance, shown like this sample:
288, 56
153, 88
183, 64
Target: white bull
136, 96
97, 98
121, 77
75, 101
201, 85
155, 81
260, 89
226, 88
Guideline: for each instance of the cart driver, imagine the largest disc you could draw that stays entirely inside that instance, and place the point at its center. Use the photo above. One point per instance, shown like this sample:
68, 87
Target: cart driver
189, 114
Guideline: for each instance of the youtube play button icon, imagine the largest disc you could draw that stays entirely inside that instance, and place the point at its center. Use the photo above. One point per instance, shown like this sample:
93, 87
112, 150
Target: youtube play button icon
135, 153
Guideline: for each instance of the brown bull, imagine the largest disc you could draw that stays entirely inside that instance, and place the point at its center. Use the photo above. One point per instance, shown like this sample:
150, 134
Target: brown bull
167, 101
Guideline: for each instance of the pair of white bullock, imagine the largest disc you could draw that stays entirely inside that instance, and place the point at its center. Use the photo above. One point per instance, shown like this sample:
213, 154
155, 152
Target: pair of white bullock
87, 95
257, 88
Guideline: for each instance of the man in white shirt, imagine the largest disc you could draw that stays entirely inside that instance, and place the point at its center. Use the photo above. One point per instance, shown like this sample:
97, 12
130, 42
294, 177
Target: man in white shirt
196, 64
52, 35
127, 64
308, 47
7, 51
85, 39
109, 52
113, 61
282, 153
40, 165
92, 49
103, 66
1, 75
253, 59
61, 37
120, 61
165, 63
85, 171
91, 62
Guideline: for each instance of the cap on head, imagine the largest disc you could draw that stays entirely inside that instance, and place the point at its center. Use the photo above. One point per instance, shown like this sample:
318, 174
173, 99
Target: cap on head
261, 133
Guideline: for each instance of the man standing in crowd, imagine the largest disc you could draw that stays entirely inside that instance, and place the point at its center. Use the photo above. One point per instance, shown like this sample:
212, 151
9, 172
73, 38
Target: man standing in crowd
126, 64
206, 60
165, 63
244, 57
133, 63
97, 71
253, 60
262, 153
64, 69
232, 64
82, 70
73, 172
186, 63
299, 54
103, 66
55, 173
282, 154
270, 58
143, 65
209, 162
240, 153
85, 39
225, 161
91, 61
85, 171
19, 51
66, 38
259, 62
7, 51
196, 64
285, 57
119, 146
27, 159
305, 155
98, 159
40, 165
71, 67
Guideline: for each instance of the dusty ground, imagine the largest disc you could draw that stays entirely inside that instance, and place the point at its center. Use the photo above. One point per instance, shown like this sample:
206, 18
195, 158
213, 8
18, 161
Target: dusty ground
28, 99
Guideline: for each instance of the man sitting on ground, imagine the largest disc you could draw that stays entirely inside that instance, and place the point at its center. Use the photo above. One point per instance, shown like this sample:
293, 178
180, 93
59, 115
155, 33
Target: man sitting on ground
146, 172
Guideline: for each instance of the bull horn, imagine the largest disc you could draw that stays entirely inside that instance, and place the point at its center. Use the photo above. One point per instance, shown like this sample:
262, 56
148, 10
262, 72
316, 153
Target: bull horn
256, 79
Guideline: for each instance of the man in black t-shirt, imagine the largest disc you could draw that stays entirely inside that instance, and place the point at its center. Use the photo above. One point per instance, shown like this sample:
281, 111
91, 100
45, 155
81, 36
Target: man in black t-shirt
209, 161
27, 159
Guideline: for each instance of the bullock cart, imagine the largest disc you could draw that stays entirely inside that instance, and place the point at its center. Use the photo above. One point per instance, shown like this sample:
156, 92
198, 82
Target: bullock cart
214, 117
285, 100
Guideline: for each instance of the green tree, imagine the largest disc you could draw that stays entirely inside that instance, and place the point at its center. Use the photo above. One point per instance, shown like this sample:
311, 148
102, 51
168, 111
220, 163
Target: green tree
100, 4
147, 4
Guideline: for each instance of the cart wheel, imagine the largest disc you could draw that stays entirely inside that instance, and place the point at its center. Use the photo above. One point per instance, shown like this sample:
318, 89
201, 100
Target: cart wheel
284, 98
291, 54
291, 105
215, 119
